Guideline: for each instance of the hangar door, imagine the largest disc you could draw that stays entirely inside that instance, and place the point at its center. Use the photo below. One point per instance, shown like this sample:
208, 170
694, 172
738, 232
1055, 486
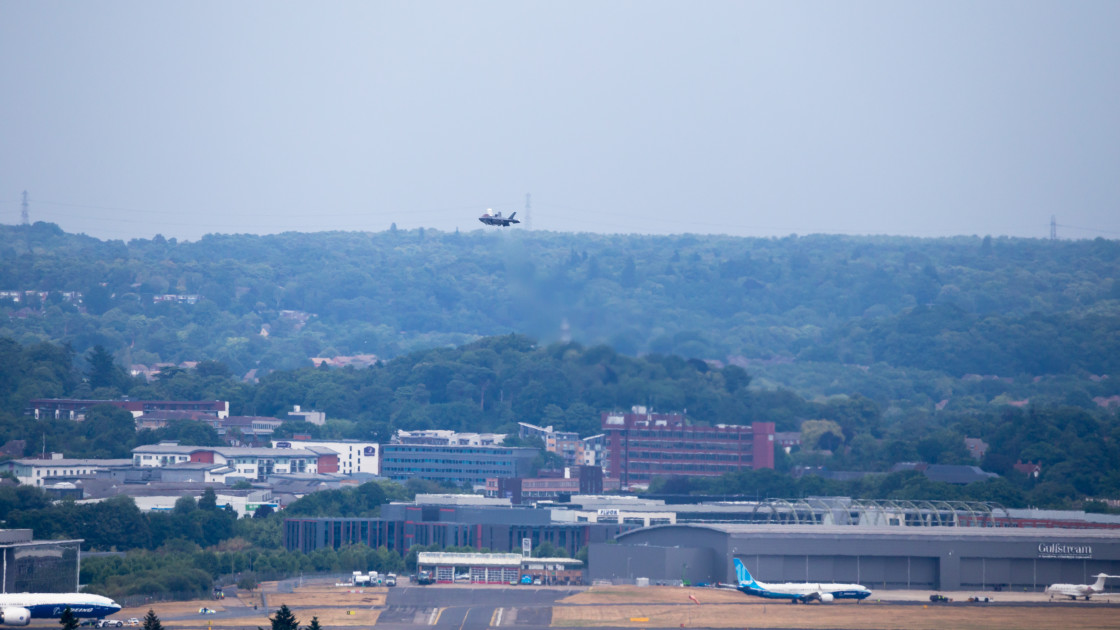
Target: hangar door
871, 571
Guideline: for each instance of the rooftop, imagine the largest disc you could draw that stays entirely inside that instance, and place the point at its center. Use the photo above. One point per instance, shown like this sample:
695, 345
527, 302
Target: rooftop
469, 559
105, 463
878, 533
225, 451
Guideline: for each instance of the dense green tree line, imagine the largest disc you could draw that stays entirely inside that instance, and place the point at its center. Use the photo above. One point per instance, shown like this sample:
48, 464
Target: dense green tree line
187, 571
964, 305
117, 523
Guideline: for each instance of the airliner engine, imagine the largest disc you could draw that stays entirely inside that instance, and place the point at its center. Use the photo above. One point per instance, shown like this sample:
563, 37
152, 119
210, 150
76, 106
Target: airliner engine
826, 597
15, 616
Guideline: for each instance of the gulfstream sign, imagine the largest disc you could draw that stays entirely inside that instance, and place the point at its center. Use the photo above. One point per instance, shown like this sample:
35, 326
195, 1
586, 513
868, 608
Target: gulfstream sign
1061, 550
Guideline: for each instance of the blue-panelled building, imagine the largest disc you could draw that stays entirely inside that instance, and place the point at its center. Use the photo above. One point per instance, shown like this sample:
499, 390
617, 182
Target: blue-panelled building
495, 527
455, 464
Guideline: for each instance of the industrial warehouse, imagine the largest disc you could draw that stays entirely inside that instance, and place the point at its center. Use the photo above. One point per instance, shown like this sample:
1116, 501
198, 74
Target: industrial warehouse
878, 557
935, 545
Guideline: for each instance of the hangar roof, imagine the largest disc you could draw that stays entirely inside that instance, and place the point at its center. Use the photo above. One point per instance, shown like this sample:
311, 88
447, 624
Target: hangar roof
427, 558
926, 533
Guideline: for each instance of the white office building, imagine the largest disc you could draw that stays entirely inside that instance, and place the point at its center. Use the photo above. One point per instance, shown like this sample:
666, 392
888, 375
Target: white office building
354, 456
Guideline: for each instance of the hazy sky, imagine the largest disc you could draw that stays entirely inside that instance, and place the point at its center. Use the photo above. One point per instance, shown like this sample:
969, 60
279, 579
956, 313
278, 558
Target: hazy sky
128, 119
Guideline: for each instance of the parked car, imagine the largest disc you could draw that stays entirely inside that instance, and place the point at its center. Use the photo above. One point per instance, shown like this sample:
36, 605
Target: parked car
110, 623
939, 598
132, 621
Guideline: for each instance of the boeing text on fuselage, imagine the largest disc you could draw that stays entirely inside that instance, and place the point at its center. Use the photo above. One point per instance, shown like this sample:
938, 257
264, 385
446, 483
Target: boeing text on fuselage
18, 609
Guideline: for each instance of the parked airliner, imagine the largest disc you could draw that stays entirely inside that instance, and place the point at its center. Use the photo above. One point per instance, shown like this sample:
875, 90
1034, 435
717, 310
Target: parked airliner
797, 593
18, 609
1073, 591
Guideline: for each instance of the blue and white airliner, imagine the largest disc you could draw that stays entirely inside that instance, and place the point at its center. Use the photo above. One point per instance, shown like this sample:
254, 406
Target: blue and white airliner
798, 593
18, 609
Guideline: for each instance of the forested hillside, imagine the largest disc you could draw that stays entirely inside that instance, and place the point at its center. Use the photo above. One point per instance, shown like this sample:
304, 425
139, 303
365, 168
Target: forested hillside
889, 336
967, 305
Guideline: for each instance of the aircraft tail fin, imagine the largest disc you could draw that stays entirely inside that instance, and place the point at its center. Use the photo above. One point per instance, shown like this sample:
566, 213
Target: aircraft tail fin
742, 573
513, 215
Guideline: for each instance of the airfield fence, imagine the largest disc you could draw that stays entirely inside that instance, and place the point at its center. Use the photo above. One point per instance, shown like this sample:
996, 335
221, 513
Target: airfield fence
286, 583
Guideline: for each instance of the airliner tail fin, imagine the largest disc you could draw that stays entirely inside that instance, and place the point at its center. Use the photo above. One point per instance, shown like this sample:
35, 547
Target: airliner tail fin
742, 573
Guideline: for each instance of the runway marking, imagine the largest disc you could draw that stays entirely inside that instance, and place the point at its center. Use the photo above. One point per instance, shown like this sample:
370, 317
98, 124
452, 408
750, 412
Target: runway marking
433, 618
496, 618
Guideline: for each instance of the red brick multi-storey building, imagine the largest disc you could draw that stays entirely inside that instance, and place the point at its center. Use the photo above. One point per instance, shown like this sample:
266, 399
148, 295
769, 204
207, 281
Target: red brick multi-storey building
642, 445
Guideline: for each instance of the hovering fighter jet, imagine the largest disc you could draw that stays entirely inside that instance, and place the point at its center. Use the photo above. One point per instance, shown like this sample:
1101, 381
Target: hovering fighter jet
497, 219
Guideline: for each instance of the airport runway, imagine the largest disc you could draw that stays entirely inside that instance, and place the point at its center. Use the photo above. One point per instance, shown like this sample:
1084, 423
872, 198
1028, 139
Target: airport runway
467, 607
470, 608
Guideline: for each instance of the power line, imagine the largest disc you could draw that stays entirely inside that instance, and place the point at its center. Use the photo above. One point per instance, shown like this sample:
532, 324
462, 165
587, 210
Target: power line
1085, 229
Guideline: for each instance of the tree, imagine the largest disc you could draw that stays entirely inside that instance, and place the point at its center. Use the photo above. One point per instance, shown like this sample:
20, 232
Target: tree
103, 372
284, 619
208, 500
110, 431
821, 434
548, 550
314, 625
248, 582
151, 621
68, 620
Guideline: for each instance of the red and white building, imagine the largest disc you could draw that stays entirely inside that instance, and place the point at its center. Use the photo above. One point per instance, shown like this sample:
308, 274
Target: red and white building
253, 463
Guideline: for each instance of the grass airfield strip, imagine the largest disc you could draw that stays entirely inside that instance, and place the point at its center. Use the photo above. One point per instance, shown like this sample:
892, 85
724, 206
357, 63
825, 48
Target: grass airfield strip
334, 606
670, 607
666, 607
